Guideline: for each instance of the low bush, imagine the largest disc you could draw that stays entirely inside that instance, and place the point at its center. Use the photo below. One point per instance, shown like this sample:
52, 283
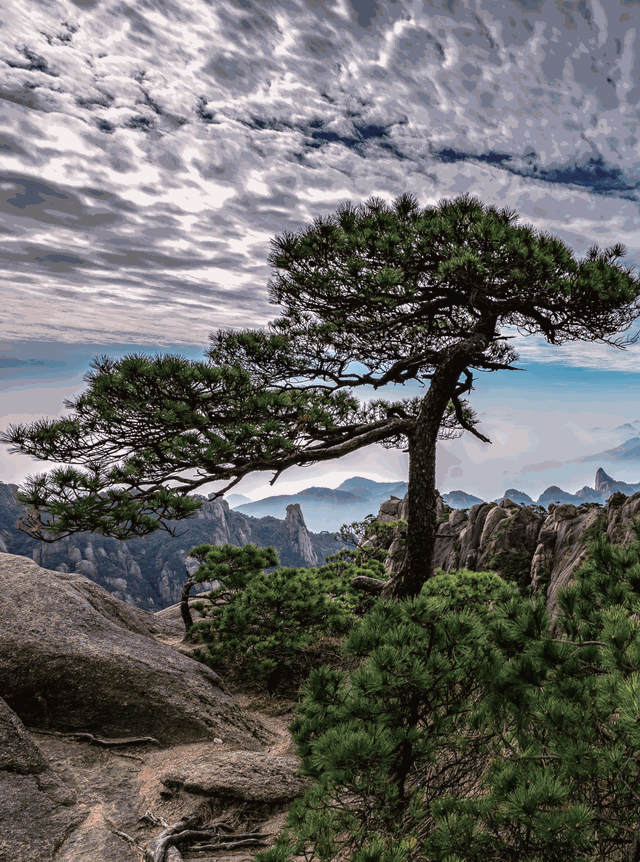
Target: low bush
464, 589
269, 628
476, 734
513, 566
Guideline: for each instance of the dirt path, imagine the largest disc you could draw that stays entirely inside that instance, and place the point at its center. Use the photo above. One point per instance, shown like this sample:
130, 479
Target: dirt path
129, 797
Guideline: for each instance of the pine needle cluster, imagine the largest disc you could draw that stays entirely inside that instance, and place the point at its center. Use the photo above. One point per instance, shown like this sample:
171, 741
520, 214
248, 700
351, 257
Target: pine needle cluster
478, 728
266, 627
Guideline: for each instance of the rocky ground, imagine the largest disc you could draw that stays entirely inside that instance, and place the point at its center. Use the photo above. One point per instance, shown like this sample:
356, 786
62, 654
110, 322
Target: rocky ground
79, 667
111, 734
132, 793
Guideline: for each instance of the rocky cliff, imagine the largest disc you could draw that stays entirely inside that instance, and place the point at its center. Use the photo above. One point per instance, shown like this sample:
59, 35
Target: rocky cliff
524, 543
149, 572
109, 731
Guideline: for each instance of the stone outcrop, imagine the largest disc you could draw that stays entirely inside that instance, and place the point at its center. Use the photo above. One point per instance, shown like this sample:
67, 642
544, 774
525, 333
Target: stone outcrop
37, 808
539, 548
150, 572
74, 658
241, 775
297, 537
98, 704
606, 485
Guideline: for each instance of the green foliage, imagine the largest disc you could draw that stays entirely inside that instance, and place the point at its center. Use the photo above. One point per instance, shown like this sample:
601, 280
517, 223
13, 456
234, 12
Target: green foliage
476, 734
542, 583
232, 566
473, 591
598, 528
379, 532
447, 510
513, 566
538, 508
264, 627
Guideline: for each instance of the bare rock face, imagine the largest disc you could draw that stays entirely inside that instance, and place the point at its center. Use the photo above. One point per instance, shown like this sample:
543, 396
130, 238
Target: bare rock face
150, 571
74, 658
540, 548
297, 537
241, 775
37, 808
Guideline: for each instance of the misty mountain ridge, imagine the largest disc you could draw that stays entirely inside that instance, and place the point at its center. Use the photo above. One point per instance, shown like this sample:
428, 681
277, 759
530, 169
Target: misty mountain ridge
627, 451
327, 508
150, 571
355, 498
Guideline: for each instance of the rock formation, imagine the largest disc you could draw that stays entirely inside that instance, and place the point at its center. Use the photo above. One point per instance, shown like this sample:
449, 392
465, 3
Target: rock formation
108, 732
537, 548
74, 658
243, 775
150, 572
297, 537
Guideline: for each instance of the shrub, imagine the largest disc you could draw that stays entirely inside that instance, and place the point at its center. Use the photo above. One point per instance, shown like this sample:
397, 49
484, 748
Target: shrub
464, 589
265, 627
467, 735
514, 566
598, 528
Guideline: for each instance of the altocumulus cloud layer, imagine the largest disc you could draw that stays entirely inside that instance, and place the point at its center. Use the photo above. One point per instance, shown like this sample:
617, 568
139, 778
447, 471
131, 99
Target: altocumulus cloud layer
150, 151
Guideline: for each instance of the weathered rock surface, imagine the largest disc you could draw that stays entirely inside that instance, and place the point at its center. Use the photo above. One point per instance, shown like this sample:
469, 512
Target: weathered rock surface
298, 538
79, 667
241, 775
68, 800
74, 658
150, 572
37, 809
542, 548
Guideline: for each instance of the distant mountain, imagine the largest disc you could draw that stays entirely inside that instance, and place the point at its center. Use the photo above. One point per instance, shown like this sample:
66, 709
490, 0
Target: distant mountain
149, 572
627, 451
606, 486
236, 499
634, 425
355, 498
516, 496
553, 494
460, 499
329, 508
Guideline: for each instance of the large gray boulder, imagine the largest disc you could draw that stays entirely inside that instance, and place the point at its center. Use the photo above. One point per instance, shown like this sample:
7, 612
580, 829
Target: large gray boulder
74, 658
37, 809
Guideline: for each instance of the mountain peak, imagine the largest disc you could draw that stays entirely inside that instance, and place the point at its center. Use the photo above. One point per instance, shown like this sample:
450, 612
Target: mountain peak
602, 479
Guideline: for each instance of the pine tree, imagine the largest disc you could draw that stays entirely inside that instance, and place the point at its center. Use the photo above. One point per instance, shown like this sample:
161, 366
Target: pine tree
261, 627
476, 732
373, 296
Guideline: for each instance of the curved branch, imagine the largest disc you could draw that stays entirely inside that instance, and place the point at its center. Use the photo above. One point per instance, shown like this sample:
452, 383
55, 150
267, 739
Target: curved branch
464, 422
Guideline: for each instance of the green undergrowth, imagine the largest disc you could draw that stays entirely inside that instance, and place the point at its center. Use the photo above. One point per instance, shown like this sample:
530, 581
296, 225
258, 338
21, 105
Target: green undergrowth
470, 731
269, 629
458, 725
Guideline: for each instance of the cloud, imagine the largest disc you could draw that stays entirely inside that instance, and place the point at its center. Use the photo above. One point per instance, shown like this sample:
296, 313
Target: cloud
151, 154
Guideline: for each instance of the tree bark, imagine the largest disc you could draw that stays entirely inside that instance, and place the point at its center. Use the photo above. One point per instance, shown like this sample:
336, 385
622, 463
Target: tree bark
422, 514
187, 619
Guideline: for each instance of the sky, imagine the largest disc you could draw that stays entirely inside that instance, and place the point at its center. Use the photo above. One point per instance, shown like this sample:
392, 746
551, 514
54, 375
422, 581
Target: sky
149, 152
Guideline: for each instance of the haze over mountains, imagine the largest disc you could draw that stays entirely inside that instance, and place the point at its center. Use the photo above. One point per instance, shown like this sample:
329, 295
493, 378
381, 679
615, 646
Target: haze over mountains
355, 498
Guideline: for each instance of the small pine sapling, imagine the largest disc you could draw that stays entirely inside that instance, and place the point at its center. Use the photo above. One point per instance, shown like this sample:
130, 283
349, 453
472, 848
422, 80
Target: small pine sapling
260, 625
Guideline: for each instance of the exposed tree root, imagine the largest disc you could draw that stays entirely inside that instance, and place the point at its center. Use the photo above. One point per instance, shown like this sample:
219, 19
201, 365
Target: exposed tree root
188, 831
128, 839
89, 737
